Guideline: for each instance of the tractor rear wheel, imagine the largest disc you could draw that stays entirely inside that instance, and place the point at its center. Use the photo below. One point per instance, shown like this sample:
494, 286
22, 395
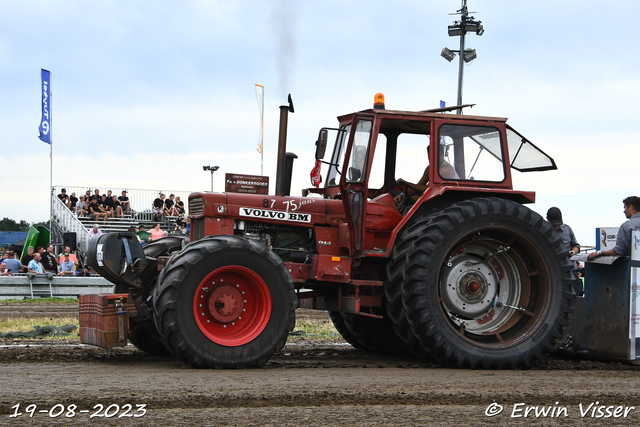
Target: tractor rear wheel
376, 334
144, 333
225, 302
145, 337
338, 321
487, 285
393, 288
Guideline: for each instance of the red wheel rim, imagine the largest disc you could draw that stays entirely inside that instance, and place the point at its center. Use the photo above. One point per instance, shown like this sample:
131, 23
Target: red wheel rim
232, 305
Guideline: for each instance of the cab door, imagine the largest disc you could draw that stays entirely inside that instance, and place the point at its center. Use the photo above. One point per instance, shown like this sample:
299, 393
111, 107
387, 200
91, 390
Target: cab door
353, 183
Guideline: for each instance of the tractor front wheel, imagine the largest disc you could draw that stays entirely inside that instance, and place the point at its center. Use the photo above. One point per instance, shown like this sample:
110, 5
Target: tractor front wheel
225, 302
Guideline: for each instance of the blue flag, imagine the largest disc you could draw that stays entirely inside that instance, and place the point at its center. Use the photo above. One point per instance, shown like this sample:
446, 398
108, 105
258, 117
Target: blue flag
45, 123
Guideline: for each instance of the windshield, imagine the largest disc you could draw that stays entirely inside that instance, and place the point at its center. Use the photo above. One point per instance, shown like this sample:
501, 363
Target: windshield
359, 150
335, 169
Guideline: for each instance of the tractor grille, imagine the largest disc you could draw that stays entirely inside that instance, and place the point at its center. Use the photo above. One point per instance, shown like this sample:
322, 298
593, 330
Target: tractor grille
197, 228
196, 206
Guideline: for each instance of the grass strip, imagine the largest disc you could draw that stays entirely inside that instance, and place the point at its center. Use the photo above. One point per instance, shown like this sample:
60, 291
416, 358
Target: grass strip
51, 301
24, 324
304, 330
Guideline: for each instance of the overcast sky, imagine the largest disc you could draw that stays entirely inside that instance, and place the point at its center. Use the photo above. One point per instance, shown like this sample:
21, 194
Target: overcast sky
147, 92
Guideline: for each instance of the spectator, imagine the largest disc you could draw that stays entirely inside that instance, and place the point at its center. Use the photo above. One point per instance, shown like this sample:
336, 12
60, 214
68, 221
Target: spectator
143, 234
26, 258
623, 239
106, 205
168, 206
571, 245
74, 201
179, 207
3, 269
156, 232
49, 261
86, 272
94, 210
14, 265
35, 266
97, 194
157, 206
81, 208
65, 199
5, 253
72, 256
124, 202
67, 267
117, 208
95, 231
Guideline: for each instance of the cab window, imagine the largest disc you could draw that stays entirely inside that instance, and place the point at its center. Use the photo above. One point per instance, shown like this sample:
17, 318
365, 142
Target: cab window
471, 153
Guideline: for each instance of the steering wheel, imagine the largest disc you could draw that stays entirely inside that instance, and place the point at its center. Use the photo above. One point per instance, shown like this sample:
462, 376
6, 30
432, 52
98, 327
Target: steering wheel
407, 201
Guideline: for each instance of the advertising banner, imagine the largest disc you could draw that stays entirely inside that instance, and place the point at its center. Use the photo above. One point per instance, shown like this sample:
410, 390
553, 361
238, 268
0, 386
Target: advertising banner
634, 297
45, 122
250, 184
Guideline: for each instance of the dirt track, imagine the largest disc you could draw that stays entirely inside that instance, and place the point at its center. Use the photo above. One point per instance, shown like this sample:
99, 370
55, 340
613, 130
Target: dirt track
309, 382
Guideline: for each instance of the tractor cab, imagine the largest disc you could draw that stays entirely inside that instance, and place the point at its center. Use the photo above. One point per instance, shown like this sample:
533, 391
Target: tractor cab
420, 160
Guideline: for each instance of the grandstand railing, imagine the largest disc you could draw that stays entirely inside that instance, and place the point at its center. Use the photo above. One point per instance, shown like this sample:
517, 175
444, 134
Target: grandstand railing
68, 223
140, 200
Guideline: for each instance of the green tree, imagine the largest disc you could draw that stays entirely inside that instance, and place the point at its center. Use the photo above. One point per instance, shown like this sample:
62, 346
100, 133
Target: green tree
7, 224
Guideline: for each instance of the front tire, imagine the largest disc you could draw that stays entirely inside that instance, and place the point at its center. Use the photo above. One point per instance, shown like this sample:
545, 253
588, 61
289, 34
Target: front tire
487, 285
225, 302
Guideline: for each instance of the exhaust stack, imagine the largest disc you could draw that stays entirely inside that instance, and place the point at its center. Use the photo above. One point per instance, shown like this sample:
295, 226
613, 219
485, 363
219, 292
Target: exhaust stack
282, 148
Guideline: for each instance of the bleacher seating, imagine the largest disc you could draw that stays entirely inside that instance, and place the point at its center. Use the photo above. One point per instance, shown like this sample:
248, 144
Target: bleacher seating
117, 225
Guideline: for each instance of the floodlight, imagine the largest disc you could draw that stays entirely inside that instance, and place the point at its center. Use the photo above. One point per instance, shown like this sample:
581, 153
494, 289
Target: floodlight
212, 169
448, 54
469, 55
455, 30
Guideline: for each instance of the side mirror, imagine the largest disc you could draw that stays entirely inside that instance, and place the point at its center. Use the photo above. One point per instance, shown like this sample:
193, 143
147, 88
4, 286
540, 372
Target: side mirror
321, 144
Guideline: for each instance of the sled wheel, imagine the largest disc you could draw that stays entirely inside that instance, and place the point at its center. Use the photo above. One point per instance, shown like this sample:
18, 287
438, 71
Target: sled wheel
225, 302
338, 322
487, 285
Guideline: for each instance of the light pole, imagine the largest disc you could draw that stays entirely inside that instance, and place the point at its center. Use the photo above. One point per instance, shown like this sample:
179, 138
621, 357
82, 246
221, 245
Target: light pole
212, 169
460, 28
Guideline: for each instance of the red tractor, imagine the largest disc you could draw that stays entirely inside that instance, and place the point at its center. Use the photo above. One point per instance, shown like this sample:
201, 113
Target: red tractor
454, 267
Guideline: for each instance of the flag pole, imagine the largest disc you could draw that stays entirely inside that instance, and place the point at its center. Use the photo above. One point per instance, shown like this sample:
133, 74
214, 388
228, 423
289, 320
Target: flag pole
50, 160
45, 133
260, 100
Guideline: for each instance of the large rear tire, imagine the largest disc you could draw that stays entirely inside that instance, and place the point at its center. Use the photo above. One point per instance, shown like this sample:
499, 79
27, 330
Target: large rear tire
225, 302
487, 285
145, 337
144, 333
393, 288
376, 334
338, 321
